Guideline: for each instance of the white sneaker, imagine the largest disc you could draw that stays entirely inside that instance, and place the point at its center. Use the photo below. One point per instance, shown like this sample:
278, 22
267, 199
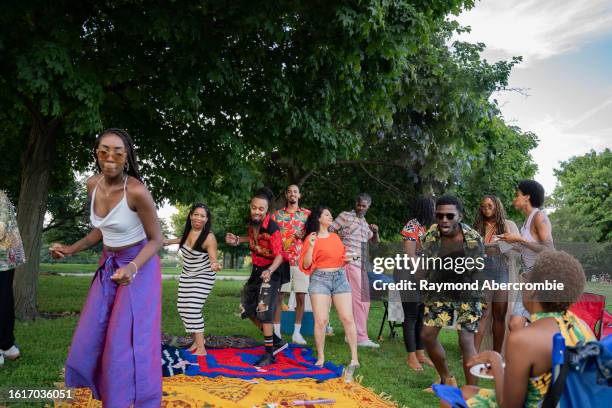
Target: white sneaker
368, 343
329, 331
11, 354
297, 338
1, 359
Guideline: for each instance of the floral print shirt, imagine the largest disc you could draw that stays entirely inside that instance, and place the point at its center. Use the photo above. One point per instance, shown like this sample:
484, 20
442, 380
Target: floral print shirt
413, 231
292, 225
11, 247
473, 248
266, 244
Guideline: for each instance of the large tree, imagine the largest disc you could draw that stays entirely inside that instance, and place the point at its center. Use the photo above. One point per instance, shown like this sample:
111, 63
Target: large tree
208, 89
582, 216
446, 135
583, 198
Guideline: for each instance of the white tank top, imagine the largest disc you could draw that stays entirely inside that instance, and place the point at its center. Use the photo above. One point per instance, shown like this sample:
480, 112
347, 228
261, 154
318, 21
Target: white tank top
121, 226
528, 256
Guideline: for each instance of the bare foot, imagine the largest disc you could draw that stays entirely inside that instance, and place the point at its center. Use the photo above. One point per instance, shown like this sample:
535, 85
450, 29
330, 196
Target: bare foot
413, 362
320, 363
423, 359
199, 352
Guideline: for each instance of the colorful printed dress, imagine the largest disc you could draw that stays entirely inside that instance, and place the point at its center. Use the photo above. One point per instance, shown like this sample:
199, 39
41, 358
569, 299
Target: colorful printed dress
573, 331
11, 247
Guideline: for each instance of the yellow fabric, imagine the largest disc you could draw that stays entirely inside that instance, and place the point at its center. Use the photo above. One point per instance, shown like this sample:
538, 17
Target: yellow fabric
223, 392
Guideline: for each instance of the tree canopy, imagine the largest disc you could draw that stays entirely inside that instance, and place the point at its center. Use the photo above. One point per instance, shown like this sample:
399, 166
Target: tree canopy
583, 198
224, 97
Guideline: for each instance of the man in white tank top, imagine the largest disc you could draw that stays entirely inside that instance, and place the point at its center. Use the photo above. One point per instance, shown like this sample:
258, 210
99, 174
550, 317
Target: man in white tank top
535, 237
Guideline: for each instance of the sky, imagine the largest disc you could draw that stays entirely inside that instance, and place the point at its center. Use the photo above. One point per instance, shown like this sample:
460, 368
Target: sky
566, 72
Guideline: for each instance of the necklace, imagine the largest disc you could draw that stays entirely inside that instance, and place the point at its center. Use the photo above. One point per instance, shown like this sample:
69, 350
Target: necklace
107, 189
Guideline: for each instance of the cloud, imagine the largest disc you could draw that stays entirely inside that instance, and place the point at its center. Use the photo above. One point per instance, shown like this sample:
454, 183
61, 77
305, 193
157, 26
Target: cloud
590, 113
561, 139
536, 29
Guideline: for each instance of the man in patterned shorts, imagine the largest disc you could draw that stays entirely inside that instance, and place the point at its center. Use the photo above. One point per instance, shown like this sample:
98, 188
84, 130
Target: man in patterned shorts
460, 251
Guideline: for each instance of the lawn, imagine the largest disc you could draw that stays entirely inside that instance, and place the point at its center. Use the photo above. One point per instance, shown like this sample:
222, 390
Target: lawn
91, 268
601, 289
44, 342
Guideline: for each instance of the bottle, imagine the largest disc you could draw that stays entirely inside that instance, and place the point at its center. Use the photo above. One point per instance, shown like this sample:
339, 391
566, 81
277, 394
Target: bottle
348, 372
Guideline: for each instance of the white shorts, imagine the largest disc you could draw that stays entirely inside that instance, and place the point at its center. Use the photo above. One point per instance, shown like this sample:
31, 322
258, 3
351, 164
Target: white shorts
299, 281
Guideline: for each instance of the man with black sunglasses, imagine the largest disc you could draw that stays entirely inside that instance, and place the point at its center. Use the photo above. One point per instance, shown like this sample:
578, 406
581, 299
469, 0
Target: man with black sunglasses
460, 251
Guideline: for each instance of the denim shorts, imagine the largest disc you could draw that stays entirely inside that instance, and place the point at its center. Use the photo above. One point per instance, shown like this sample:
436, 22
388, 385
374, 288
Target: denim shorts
329, 283
519, 308
495, 269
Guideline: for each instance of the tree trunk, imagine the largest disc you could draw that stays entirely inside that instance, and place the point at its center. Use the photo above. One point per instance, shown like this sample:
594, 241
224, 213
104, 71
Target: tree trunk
37, 162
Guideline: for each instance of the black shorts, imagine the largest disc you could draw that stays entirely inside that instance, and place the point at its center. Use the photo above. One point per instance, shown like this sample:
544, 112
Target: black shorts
259, 299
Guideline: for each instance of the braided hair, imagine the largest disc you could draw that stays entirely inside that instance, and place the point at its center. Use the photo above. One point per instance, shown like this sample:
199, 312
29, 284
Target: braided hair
132, 163
265, 194
500, 216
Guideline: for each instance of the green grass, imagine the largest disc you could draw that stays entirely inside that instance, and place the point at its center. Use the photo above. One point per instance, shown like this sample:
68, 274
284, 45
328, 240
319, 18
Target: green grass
601, 289
90, 268
44, 342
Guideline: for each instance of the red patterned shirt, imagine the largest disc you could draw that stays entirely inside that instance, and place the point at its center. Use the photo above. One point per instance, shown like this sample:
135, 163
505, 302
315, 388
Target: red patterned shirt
268, 244
292, 226
413, 231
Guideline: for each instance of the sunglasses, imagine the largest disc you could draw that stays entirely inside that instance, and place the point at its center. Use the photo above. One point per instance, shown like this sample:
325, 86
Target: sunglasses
448, 216
104, 154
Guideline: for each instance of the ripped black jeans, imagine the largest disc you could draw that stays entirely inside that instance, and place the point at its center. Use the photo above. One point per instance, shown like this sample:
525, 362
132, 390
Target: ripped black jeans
259, 298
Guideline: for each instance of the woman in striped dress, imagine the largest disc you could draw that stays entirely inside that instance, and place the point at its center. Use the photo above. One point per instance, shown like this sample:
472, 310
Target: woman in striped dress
198, 248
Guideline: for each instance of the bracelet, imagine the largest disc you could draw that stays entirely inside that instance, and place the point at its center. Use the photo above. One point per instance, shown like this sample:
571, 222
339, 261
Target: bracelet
136, 266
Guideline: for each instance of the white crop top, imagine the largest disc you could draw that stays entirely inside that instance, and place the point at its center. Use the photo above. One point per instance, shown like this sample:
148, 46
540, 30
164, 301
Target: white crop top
121, 226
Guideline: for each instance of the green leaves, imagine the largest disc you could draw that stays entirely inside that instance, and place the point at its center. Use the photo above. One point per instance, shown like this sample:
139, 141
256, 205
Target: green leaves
223, 97
583, 198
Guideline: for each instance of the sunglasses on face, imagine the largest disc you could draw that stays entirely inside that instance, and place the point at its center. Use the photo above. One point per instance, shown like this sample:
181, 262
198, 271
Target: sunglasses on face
104, 154
448, 216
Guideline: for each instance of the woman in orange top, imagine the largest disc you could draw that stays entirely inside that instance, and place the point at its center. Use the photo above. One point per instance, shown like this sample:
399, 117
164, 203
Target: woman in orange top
323, 257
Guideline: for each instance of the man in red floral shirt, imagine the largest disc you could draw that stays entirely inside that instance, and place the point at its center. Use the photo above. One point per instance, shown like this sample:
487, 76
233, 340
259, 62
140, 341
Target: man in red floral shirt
292, 220
260, 294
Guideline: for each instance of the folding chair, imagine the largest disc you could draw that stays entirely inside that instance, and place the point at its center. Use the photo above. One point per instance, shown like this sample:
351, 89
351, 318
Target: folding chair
590, 308
606, 324
583, 375
385, 297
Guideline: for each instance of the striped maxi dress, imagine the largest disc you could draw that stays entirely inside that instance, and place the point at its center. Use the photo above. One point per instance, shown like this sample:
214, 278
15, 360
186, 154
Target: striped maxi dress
195, 283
